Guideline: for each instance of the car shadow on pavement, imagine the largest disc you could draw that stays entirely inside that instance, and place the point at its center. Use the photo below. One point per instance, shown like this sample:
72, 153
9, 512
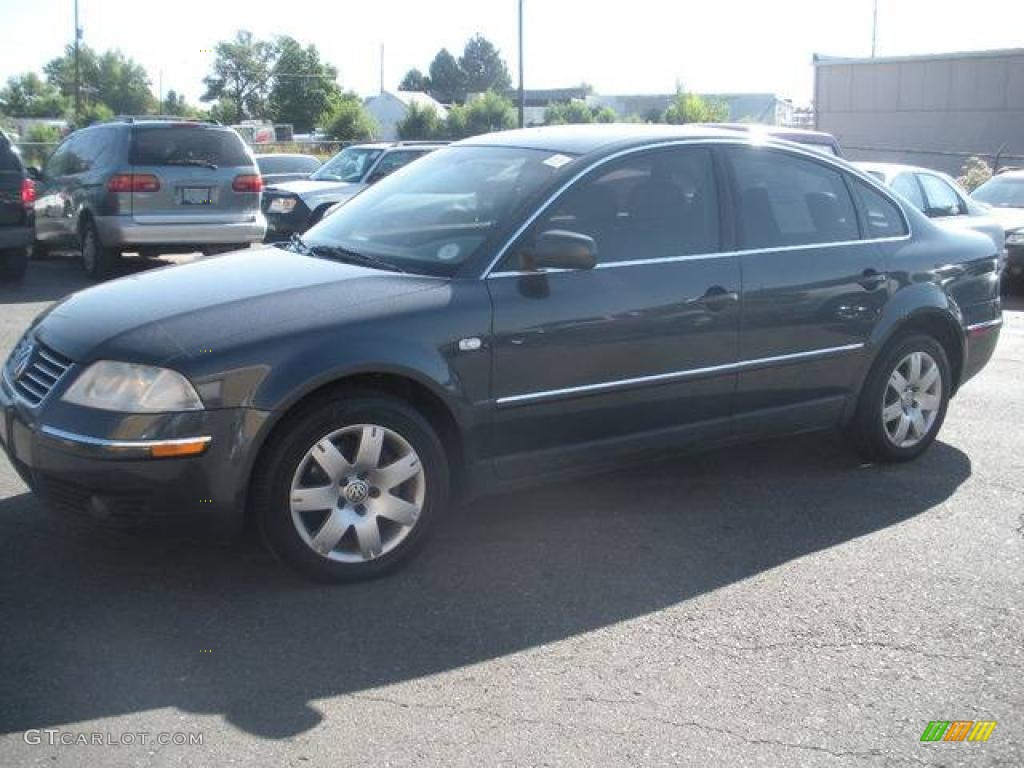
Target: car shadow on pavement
98, 624
55, 276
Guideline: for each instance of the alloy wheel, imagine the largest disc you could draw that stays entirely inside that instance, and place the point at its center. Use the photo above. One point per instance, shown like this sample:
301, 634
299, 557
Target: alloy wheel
912, 400
357, 493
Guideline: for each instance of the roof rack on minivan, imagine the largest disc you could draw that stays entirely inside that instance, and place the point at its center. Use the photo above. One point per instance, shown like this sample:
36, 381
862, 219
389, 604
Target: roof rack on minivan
168, 118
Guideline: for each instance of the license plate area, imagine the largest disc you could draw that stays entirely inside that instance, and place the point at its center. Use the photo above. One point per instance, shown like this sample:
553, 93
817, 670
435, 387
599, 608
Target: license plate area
196, 196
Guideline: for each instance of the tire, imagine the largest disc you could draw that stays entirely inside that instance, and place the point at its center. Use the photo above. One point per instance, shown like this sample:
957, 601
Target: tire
13, 263
887, 409
318, 498
97, 260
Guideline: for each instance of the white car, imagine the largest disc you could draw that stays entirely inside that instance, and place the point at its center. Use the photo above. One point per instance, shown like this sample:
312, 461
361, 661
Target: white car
940, 198
1004, 192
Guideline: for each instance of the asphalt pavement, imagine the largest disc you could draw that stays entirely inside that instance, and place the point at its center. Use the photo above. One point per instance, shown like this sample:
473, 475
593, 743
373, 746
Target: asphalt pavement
777, 604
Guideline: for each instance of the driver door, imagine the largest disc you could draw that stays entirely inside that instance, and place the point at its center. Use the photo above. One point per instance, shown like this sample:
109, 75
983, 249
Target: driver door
638, 351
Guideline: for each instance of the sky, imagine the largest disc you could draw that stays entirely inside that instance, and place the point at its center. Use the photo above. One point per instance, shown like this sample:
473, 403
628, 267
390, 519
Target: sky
640, 46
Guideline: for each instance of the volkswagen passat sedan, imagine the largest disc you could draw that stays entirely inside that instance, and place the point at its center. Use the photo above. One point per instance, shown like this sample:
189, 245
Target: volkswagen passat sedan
509, 308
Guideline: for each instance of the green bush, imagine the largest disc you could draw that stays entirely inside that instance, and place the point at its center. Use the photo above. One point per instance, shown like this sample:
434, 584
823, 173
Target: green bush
489, 112
348, 120
420, 123
692, 108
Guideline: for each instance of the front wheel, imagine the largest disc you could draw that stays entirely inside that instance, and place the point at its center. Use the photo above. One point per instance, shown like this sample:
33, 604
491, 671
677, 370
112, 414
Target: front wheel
904, 400
351, 487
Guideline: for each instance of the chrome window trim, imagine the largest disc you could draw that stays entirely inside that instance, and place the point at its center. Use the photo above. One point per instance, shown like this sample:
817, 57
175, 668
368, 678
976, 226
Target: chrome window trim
836, 163
742, 365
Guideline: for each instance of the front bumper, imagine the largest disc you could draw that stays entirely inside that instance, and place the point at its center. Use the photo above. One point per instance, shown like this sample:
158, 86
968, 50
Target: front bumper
85, 462
281, 226
15, 237
118, 231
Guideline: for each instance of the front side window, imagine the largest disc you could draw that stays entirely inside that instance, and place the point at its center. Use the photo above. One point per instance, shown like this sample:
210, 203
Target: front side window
906, 185
942, 198
350, 165
391, 162
436, 213
785, 200
657, 204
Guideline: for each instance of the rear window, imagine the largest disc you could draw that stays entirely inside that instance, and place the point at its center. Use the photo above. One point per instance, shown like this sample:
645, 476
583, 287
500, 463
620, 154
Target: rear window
287, 164
8, 160
188, 145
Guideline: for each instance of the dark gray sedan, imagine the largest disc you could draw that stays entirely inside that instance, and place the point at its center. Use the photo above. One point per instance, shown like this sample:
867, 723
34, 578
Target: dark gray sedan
508, 309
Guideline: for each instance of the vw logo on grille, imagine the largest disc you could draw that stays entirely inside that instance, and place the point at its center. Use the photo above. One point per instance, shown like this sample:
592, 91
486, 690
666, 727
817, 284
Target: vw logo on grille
20, 358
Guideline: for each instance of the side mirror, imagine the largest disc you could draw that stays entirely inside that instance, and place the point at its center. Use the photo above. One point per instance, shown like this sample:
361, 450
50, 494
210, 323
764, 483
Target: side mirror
34, 173
561, 249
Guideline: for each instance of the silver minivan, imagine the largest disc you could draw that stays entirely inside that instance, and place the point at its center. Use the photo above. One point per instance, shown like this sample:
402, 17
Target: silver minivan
148, 186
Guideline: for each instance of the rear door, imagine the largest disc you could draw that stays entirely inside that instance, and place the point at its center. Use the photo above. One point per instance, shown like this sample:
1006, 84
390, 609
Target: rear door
12, 213
198, 169
813, 288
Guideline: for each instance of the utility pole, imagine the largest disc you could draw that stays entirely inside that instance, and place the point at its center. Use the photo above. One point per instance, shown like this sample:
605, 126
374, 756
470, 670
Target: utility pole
522, 93
382, 67
874, 30
78, 74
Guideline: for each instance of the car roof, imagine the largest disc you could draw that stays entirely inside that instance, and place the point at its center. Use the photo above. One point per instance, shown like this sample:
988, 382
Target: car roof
398, 145
1015, 174
798, 134
584, 139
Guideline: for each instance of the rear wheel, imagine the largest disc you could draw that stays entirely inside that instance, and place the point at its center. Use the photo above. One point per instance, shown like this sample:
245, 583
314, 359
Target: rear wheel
904, 400
351, 487
97, 260
13, 263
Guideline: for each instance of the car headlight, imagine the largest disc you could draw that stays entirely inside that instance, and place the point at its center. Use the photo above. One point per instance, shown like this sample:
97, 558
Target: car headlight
281, 205
1015, 238
132, 388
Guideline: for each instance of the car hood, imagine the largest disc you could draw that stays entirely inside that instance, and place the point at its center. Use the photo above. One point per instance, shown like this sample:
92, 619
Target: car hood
315, 193
1009, 218
241, 297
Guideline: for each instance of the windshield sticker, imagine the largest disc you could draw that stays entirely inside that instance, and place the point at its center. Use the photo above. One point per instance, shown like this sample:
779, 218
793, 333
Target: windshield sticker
557, 161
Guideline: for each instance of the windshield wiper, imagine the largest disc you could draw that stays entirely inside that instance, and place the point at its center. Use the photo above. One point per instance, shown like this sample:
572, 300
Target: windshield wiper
353, 257
198, 163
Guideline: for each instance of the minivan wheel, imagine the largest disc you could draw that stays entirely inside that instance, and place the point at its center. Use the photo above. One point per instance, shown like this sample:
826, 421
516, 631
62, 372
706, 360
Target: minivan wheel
351, 487
904, 400
97, 260
13, 263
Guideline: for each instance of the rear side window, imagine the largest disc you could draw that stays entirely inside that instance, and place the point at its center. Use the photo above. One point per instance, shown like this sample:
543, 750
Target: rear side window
653, 205
785, 200
188, 145
906, 185
942, 198
882, 217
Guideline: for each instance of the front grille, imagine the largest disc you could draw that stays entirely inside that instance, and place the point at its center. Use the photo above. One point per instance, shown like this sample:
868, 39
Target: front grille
34, 380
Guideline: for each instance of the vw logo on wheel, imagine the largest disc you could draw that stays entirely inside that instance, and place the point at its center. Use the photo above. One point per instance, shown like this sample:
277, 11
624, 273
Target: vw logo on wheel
20, 359
357, 492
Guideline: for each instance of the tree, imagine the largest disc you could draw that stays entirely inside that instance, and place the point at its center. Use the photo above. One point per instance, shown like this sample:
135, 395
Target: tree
447, 83
569, 112
484, 114
110, 78
415, 80
241, 75
692, 108
607, 115
348, 120
482, 67
304, 86
420, 123
29, 95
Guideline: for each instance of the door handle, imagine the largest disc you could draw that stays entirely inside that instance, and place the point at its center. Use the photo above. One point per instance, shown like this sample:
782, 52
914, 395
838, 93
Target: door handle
716, 298
872, 279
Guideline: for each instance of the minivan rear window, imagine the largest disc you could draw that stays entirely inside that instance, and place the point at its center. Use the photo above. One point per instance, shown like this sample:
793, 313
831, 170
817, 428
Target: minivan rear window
188, 145
8, 160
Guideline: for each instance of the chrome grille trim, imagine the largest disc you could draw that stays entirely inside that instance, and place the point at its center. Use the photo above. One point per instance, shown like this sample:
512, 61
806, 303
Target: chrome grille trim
46, 367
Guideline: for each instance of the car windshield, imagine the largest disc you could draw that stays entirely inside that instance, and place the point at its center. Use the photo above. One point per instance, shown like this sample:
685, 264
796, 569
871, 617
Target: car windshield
1001, 192
432, 215
350, 164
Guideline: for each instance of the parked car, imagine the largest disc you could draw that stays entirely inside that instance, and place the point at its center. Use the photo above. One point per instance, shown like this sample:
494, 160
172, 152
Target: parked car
293, 207
507, 309
1004, 194
148, 186
938, 197
278, 168
817, 140
17, 192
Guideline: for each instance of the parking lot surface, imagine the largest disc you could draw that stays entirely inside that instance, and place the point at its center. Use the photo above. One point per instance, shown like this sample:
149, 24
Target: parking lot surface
777, 604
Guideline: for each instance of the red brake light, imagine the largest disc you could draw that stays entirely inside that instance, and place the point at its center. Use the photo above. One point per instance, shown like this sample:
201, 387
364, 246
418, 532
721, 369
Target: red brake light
28, 192
133, 182
247, 182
